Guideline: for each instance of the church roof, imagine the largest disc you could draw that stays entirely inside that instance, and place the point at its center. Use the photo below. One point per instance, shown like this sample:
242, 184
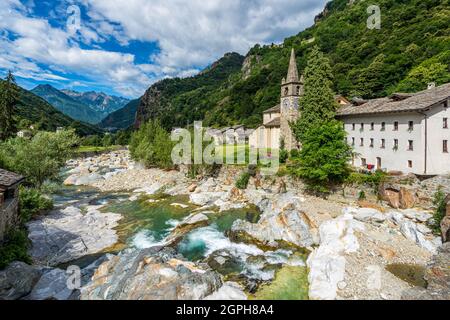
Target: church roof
8, 179
292, 75
276, 109
419, 101
274, 123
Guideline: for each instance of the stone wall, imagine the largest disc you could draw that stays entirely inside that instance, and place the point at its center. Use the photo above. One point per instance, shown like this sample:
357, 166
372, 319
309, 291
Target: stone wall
9, 215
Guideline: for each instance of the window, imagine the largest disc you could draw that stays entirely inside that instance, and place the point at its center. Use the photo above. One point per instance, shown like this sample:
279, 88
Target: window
371, 143
395, 144
383, 126
362, 126
410, 145
353, 141
411, 126
362, 142
297, 90
445, 146
363, 162
353, 126
372, 126
445, 123
383, 143
286, 91
445, 104
410, 164
396, 126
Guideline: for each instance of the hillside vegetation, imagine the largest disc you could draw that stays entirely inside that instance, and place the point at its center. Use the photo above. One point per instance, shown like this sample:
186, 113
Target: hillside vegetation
411, 49
35, 110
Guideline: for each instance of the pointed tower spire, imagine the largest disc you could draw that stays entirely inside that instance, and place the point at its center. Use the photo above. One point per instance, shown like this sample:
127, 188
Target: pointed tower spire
292, 75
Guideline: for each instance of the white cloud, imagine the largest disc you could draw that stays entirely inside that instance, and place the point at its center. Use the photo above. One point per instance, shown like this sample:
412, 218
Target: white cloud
190, 34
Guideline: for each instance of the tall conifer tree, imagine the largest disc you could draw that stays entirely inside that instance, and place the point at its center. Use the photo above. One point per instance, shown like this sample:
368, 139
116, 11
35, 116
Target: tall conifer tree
317, 104
8, 100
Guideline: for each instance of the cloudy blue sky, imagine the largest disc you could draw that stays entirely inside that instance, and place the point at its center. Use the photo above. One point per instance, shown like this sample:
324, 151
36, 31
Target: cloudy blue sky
123, 46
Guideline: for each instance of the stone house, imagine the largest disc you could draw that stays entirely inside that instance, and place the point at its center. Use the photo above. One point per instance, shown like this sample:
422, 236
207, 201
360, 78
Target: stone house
9, 200
407, 133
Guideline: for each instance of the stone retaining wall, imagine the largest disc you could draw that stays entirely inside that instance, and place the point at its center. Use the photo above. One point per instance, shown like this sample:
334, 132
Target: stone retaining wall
9, 216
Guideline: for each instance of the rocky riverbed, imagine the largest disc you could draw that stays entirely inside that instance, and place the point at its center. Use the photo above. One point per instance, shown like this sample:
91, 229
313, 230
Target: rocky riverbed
150, 234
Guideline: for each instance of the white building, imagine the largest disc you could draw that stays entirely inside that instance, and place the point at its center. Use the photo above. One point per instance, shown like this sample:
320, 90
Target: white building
409, 133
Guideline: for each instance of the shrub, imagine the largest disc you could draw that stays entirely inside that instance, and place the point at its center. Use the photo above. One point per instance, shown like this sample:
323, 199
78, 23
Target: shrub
295, 154
14, 248
33, 203
324, 157
40, 158
284, 155
362, 195
243, 180
440, 211
374, 180
152, 145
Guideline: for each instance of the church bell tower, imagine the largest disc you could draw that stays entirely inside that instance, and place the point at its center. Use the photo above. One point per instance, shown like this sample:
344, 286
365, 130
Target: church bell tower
291, 91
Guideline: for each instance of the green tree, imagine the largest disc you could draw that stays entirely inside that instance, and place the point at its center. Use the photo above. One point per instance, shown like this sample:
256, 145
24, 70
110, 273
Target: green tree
9, 96
152, 145
371, 80
324, 158
317, 104
39, 158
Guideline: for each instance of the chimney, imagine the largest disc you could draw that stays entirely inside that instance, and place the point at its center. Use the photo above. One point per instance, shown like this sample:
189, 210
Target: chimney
431, 85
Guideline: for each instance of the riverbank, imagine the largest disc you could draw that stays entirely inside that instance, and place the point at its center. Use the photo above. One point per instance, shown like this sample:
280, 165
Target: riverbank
149, 222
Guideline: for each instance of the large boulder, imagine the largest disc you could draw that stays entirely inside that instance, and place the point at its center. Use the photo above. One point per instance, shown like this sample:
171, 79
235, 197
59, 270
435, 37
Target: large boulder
445, 228
206, 198
52, 286
366, 214
282, 222
83, 180
411, 231
151, 274
327, 263
194, 221
229, 291
17, 280
69, 234
408, 198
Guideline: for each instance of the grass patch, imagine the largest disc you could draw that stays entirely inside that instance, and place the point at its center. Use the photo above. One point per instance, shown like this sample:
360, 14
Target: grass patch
86, 149
290, 283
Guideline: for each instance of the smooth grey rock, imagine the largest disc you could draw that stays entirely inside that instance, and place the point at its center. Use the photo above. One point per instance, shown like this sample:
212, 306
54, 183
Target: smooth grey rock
282, 220
17, 280
51, 286
151, 274
229, 291
409, 230
67, 235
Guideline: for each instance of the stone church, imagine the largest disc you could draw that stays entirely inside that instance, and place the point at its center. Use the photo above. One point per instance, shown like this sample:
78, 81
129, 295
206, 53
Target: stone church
276, 130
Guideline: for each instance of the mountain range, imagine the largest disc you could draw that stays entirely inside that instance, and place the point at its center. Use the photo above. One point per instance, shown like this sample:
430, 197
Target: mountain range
90, 107
33, 110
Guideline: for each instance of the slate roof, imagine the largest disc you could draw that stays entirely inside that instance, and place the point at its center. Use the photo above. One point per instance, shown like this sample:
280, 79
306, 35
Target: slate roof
419, 101
273, 123
8, 179
276, 109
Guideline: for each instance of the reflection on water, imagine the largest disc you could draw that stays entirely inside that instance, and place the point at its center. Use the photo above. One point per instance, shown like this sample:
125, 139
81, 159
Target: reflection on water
413, 274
